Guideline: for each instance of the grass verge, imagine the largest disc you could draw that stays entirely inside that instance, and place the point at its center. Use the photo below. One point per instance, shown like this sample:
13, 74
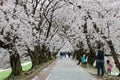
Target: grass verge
27, 67
6, 73
36, 70
28, 74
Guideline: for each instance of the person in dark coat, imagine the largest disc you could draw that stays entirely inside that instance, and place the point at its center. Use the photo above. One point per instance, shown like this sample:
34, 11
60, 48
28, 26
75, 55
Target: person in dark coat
69, 54
100, 61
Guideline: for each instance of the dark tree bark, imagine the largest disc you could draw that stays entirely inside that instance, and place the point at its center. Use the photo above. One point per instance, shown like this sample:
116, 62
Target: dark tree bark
50, 24
95, 27
15, 64
49, 55
34, 55
16, 2
54, 54
78, 54
37, 54
91, 56
31, 57
44, 55
15, 58
1, 3
113, 52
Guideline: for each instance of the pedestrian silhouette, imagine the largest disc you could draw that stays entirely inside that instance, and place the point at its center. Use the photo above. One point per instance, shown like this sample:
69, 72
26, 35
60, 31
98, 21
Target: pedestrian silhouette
100, 61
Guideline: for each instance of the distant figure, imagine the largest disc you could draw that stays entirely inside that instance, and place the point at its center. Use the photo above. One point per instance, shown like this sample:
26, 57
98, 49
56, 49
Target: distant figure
65, 54
100, 61
69, 54
109, 67
61, 55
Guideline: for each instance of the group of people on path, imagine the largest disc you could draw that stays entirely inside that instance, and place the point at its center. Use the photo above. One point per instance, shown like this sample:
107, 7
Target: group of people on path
64, 54
99, 62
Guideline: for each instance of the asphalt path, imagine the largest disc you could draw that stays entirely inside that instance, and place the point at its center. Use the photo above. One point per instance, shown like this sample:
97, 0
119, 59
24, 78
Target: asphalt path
67, 69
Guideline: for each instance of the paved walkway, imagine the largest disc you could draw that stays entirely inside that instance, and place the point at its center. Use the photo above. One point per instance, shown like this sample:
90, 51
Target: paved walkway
67, 69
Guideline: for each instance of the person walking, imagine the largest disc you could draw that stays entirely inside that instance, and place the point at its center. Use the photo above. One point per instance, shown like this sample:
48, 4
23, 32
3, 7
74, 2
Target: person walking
61, 55
83, 60
109, 67
100, 61
68, 54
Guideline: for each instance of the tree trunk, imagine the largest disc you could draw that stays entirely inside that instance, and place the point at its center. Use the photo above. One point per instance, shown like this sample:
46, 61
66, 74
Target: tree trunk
49, 55
31, 57
54, 54
43, 54
115, 57
75, 54
15, 64
78, 54
50, 24
91, 56
34, 55
37, 55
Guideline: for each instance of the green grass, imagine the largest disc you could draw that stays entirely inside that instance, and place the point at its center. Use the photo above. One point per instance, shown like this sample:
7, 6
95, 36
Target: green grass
27, 67
6, 73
